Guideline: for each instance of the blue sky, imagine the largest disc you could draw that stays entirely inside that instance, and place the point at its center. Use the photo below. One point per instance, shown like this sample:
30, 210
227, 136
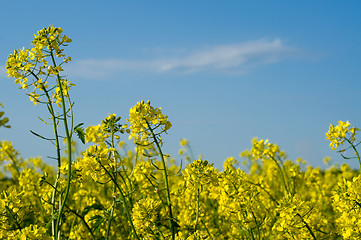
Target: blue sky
223, 71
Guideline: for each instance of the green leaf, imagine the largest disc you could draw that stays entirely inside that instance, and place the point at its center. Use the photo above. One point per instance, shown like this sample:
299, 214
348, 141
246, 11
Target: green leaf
38, 135
5, 120
42, 120
79, 125
48, 224
98, 220
80, 132
95, 206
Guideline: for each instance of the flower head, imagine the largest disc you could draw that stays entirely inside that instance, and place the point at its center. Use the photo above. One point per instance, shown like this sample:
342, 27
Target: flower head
199, 173
33, 63
263, 149
145, 121
338, 134
146, 215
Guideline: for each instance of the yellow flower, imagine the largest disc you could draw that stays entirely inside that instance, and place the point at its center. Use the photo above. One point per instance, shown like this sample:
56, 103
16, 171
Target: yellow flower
145, 121
264, 149
184, 142
338, 134
199, 173
146, 216
25, 64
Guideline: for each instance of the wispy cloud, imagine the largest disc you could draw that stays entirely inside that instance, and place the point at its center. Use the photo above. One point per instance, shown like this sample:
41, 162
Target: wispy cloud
237, 57
231, 59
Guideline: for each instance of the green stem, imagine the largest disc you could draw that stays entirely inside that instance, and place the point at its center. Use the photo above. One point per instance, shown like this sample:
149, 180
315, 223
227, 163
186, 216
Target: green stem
169, 203
308, 227
264, 189
114, 188
83, 221
356, 152
110, 218
127, 210
68, 138
58, 157
281, 172
158, 192
205, 227
128, 187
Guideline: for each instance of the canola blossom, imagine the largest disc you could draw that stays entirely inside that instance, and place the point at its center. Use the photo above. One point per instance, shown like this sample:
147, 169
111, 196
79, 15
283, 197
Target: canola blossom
338, 134
121, 189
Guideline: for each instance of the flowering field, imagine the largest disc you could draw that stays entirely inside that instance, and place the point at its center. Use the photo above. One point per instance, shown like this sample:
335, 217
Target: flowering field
110, 192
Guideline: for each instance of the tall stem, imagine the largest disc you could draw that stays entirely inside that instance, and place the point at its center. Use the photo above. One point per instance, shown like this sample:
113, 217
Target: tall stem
127, 210
356, 152
281, 172
114, 187
307, 226
169, 203
58, 157
68, 138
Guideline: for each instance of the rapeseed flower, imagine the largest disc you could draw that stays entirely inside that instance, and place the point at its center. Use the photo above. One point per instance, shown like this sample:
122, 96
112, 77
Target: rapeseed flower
338, 134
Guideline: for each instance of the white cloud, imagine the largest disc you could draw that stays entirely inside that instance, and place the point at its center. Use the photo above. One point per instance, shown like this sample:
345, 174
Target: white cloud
228, 57
232, 59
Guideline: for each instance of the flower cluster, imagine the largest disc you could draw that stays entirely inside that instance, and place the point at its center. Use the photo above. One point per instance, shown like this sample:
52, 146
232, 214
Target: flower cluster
38, 63
108, 127
264, 149
145, 120
199, 173
347, 203
337, 135
206, 203
147, 217
95, 162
